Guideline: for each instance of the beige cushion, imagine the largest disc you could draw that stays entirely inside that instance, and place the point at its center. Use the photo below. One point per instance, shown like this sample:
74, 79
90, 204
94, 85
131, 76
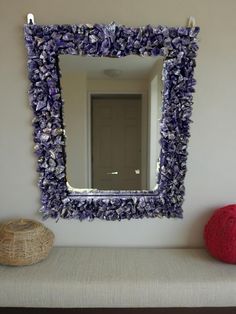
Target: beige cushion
112, 277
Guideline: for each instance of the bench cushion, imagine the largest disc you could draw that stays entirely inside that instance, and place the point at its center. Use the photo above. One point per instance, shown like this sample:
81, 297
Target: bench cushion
120, 277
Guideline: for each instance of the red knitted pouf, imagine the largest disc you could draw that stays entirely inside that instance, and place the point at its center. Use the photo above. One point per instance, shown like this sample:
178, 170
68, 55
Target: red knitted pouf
220, 234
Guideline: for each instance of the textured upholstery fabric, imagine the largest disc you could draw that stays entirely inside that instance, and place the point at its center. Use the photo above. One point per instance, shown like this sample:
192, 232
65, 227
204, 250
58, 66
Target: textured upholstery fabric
114, 277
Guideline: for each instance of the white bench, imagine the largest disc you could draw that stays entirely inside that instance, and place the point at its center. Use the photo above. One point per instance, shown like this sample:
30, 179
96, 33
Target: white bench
120, 277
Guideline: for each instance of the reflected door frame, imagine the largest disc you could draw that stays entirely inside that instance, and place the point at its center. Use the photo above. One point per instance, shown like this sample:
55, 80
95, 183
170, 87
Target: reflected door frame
144, 132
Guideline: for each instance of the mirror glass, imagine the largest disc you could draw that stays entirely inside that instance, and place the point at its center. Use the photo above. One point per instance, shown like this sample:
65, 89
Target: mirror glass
112, 110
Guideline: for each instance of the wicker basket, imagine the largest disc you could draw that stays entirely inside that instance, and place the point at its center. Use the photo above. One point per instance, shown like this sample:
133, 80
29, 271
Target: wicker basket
24, 242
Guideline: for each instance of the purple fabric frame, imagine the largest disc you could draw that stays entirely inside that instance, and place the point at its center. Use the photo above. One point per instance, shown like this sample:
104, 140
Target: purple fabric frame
178, 46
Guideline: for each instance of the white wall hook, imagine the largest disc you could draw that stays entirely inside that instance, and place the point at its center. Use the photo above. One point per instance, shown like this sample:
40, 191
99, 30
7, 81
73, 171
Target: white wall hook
191, 21
30, 18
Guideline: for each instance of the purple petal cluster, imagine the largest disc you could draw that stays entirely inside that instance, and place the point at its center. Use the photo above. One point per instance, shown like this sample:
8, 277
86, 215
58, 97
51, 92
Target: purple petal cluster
178, 46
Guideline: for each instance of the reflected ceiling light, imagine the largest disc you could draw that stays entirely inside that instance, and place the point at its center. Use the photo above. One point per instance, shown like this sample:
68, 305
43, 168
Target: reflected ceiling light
112, 73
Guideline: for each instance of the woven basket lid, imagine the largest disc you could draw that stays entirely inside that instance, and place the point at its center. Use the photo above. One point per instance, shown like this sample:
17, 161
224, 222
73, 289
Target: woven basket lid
20, 228
21, 225
24, 242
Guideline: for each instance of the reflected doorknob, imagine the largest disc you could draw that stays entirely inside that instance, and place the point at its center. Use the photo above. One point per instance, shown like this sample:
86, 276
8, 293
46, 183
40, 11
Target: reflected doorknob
137, 171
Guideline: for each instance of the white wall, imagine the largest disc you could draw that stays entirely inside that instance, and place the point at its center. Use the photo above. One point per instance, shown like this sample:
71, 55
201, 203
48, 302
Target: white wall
210, 180
117, 86
74, 91
155, 87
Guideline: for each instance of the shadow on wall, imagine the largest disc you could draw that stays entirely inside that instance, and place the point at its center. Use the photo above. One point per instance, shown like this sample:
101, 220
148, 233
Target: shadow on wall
198, 225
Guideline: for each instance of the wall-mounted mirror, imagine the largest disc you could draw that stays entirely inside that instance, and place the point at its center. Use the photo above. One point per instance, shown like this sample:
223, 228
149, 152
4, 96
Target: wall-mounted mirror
112, 117
111, 84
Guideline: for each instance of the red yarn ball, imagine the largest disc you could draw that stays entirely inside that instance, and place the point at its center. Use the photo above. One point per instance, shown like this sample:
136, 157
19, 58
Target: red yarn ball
220, 234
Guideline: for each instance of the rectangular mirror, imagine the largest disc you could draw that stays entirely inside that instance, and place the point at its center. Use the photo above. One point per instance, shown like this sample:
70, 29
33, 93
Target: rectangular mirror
107, 165
112, 121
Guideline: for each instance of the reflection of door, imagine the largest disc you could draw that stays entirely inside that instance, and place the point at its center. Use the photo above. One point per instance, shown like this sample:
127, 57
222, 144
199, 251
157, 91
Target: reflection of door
116, 142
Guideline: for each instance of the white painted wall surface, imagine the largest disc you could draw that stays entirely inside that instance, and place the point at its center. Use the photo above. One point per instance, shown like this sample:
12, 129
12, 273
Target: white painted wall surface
154, 146
74, 91
210, 180
155, 86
